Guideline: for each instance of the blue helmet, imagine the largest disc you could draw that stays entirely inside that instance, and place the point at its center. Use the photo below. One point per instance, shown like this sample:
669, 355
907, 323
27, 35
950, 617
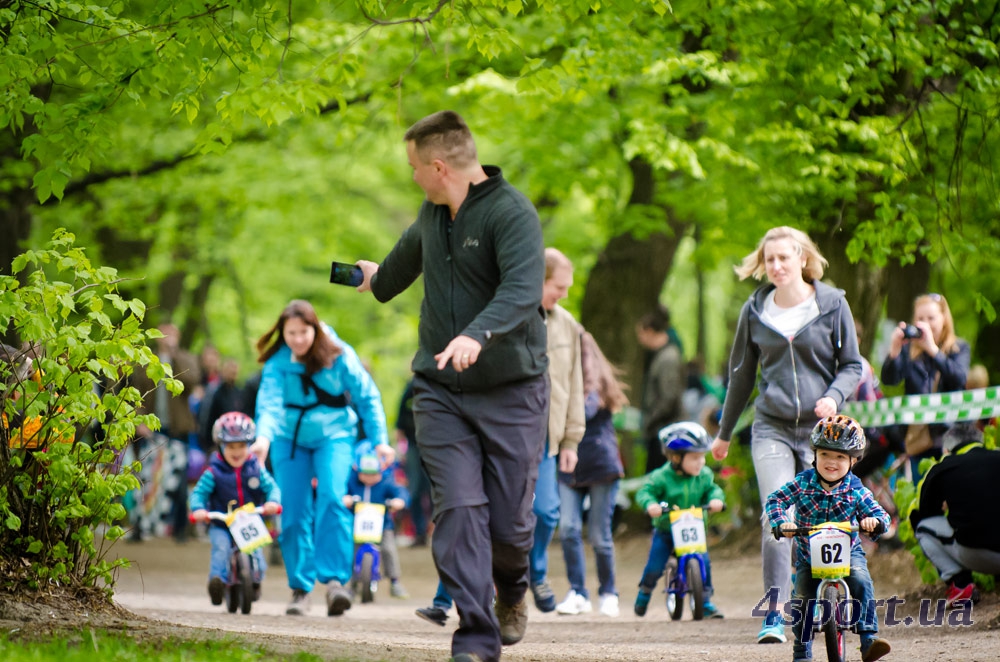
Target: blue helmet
686, 437
365, 459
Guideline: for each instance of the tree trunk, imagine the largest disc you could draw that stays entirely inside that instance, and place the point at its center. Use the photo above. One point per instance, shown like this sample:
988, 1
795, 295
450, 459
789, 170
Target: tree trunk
624, 284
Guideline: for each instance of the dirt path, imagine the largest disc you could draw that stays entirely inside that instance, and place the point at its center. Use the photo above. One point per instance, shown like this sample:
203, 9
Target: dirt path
167, 583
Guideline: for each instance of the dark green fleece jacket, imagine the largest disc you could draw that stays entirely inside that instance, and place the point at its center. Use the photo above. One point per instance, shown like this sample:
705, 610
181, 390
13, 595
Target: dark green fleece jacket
483, 274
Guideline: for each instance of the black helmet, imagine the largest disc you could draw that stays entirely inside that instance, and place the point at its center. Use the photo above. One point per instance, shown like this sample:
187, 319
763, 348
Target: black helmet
234, 427
684, 437
839, 433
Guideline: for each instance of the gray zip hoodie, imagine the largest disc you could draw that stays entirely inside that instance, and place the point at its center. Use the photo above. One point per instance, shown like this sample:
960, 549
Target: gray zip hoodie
821, 360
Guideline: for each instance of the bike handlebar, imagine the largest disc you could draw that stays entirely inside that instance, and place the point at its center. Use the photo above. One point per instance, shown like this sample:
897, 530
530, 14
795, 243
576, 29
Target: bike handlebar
221, 517
779, 533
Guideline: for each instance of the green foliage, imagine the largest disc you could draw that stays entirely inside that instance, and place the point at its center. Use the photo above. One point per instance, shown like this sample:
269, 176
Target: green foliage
58, 480
87, 645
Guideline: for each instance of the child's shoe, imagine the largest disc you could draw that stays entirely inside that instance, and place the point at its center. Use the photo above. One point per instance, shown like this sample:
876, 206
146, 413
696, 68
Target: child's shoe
873, 648
216, 590
773, 630
397, 590
711, 611
642, 601
434, 615
256, 592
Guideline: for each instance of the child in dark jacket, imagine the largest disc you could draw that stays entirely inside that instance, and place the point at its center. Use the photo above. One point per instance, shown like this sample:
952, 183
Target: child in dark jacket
684, 482
829, 492
369, 483
234, 478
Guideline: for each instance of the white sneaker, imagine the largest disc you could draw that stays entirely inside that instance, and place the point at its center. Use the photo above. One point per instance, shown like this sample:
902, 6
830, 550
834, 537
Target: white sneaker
609, 605
574, 604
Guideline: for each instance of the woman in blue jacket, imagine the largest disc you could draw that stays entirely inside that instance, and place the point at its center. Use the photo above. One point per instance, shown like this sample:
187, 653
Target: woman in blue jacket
313, 394
930, 360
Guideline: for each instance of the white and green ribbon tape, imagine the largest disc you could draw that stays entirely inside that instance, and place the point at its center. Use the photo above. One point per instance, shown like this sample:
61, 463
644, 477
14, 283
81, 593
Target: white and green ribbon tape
931, 408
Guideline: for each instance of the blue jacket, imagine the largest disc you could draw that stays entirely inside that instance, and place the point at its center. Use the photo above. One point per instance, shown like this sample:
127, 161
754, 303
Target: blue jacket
281, 384
598, 461
821, 360
380, 492
222, 484
918, 375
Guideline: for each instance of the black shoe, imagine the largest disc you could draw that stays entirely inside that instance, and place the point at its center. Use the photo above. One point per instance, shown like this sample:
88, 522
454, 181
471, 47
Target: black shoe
256, 592
338, 599
419, 541
216, 590
434, 615
466, 657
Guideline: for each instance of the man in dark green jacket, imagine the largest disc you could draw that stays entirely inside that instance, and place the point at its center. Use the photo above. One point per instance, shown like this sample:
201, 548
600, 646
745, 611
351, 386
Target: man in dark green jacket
480, 389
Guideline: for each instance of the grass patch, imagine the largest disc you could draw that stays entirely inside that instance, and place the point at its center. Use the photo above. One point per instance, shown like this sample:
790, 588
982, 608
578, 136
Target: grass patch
89, 645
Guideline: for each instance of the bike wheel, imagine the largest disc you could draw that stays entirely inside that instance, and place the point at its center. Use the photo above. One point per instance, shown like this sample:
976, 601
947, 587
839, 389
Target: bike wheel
365, 577
696, 588
245, 583
675, 598
832, 633
233, 587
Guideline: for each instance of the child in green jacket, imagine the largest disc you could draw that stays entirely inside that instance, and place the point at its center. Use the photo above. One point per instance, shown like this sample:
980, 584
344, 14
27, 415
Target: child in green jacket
684, 482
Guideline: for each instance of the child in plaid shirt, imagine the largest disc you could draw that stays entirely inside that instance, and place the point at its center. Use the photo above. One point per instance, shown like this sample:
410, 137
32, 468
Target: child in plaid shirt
831, 493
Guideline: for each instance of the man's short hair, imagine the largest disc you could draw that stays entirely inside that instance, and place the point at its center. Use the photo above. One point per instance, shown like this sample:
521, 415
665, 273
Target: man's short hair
959, 435
443, 135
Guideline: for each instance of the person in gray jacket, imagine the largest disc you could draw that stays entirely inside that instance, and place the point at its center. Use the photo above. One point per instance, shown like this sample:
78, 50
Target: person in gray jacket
480, 389
801, 334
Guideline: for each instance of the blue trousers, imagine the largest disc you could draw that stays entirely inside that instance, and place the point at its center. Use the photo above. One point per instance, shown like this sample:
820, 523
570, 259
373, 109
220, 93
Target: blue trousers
218, 565
317, 537
660, 549
602, 508
546, 509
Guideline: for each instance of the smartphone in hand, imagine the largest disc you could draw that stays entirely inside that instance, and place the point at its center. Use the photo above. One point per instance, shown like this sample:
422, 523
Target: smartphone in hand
343, 273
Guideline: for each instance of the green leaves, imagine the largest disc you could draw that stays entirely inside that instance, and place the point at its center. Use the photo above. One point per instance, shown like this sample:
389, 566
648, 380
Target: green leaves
56, 478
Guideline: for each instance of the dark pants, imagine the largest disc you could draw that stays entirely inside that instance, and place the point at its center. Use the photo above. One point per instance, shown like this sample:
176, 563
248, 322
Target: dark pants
481, 453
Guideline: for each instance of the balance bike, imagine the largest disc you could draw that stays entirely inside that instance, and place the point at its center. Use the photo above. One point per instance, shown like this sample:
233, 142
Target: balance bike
685, 572
369, 519
830, 559
247, 533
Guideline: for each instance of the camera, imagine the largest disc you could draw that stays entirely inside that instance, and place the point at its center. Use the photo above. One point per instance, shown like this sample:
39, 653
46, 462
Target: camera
912, 332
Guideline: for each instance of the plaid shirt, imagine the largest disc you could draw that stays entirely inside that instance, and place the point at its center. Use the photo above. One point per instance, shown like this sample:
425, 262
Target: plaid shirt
848, 502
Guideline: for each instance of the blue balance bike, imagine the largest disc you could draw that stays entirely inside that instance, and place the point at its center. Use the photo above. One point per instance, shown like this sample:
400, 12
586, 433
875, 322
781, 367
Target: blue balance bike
685, 575
368, 522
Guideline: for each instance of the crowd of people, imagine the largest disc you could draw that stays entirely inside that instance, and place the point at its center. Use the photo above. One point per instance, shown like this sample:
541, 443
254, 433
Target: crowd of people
508, 425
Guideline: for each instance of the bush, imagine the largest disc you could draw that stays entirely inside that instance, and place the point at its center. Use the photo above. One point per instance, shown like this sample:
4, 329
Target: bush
68, 417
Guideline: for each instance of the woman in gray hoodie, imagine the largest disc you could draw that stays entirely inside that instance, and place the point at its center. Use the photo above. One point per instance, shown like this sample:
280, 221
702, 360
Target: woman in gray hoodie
801, 334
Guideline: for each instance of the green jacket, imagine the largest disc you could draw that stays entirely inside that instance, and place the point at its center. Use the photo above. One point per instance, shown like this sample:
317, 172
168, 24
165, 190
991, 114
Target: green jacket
483, 274
677, 489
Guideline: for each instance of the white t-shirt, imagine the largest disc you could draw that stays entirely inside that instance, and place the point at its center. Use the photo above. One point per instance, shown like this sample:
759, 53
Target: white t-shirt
788, 321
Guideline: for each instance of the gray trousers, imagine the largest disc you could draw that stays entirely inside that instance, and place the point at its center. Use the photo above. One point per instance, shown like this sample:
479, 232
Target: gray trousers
937, 539
481, 452
779, 452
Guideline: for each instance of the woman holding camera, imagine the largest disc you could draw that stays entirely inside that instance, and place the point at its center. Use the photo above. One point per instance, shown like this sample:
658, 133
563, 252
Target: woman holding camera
936, 361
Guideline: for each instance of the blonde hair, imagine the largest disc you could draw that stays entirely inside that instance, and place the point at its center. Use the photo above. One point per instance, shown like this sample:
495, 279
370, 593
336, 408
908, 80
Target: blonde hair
813, 262
978, 377
600, 376
948, 342
554, 259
